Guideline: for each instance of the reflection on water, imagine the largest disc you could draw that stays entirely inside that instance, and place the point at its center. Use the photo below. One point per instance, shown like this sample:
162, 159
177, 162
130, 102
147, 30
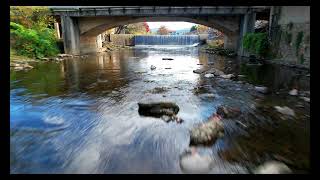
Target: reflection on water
81, 115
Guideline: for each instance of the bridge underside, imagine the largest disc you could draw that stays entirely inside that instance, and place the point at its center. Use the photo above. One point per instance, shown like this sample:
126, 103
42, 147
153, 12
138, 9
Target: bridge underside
80, 33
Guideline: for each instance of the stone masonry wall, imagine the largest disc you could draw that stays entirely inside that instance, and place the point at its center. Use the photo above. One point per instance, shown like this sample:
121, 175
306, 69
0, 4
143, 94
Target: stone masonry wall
122, 39
291, 35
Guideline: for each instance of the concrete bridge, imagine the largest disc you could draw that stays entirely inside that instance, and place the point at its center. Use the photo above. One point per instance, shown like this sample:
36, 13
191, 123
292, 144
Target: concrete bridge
82, 24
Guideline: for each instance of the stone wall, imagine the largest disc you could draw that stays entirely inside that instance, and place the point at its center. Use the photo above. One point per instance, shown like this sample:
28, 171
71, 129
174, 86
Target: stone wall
290, 34
122, 39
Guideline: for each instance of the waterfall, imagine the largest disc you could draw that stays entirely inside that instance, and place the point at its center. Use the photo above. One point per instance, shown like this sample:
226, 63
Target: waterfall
166, 39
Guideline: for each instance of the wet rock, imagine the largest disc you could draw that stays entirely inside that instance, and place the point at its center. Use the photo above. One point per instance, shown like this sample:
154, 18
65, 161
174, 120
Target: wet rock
208, 132
241, 76
158, 90
65, 55
168, 59
239, 122
228, 112
58, 59
261, 89
209, 95
140, 72
215, 71
194, 163
152, 67
293, 92
209, 75
167, 68
18, 68
102, 81
166, 118
228, 76
273, 167
200, 71
45, 59
158, 109
285, 110
305, 99
299, 106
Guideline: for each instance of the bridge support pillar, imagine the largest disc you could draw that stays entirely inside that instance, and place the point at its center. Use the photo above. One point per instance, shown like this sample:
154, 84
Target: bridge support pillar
231, 42
71, 35
246, 26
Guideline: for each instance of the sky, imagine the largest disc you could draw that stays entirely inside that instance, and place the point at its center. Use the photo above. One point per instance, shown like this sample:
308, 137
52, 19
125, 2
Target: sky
171, 25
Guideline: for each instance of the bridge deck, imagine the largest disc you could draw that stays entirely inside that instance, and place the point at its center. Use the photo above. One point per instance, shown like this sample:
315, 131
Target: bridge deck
79, 11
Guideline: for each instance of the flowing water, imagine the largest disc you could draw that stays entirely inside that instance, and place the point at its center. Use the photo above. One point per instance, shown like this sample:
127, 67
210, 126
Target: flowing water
166, 40
81, 115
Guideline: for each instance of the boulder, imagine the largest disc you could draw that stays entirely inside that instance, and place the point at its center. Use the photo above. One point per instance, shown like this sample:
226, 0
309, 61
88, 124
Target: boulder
158, 109
293, 92
305, 99
208, 132
152, 67
285, 110
273, 167
200, 71
228, 76
194, 163
209, 75
65, 55
215, 71
261, 89
228, 112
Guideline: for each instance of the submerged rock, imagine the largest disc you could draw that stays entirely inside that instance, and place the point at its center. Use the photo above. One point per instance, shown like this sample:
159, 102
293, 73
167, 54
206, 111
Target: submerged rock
293, 92
305, 99
273, 167
158, 90
208, 132
209, 75
261, 89
152, 67
228, 112
228, 76
200, 71
65, 55
21, 66
215, 71
158, 109
194, 163
285, 110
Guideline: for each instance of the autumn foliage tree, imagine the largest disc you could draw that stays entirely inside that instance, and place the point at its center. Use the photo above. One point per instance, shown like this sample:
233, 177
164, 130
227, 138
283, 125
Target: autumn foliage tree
163, 30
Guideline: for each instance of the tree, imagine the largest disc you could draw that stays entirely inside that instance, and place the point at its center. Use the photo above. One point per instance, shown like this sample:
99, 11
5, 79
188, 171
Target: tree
136, 28
146, 26
202, 29
163, 30
36, 17
193, 28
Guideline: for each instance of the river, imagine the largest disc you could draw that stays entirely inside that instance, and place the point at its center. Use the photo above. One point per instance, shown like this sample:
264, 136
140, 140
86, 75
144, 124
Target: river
81, 115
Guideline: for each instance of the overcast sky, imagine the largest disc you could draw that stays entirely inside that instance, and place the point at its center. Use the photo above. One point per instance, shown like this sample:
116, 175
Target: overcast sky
171, 25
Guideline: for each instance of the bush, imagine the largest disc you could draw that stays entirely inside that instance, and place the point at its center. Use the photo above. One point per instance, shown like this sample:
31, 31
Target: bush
33, 42
256, 43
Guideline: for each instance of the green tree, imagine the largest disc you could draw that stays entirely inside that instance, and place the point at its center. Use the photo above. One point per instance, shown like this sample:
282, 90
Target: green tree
193, 28
31, 31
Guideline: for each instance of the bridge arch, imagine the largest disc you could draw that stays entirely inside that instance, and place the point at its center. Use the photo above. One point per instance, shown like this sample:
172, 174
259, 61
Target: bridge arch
90, 28
82, 24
